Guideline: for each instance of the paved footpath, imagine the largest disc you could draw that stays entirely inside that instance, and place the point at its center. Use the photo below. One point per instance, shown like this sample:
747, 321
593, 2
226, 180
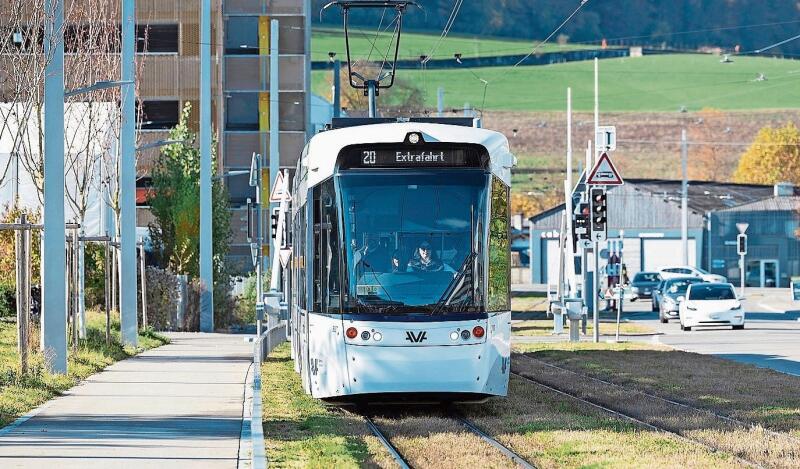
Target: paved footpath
179, 405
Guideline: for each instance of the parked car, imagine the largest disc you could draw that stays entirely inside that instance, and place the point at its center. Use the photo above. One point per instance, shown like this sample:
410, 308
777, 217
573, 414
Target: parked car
711, 304
684, 270
643, 285
672, 290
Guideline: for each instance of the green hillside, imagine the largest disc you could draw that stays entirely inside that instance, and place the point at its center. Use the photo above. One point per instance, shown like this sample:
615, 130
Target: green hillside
651, 83
412, 45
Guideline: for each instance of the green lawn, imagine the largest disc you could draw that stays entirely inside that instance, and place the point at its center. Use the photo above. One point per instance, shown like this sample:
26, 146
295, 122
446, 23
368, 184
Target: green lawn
412, 45
300, 431
21, 393
651, 83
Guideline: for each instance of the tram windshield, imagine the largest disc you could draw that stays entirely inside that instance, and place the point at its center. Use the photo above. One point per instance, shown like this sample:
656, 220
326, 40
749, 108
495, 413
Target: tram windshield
414, 240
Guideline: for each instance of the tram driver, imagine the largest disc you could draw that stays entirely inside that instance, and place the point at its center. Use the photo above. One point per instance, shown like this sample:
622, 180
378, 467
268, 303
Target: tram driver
424, 261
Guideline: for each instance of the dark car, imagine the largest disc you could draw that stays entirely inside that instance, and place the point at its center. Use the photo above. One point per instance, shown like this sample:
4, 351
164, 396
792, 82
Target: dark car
643, 284
673, 290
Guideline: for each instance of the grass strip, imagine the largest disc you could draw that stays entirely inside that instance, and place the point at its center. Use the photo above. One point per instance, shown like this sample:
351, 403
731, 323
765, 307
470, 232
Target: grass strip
300, 431
750, 443
20, 393
553, 431
428, 438
755, 395
544, 327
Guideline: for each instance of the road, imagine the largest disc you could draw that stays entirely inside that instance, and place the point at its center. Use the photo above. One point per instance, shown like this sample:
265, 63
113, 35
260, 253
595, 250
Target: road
179, 405
771, 338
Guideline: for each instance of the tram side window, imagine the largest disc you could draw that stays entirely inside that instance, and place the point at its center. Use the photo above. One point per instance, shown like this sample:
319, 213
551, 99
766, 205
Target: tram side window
499, 249
326, 250
300, 254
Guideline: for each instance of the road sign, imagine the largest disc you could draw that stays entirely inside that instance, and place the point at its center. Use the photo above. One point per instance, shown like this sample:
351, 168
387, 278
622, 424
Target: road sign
254, 253
253, 180
742, 227
606, 138
279, 189
604, 173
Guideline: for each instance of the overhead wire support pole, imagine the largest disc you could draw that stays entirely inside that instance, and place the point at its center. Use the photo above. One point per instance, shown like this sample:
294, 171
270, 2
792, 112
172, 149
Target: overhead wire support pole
54, 313
274, 130
684, 199
206, 236
127, 242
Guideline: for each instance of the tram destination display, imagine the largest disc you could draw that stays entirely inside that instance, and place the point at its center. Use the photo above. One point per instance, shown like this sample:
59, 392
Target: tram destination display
412, 156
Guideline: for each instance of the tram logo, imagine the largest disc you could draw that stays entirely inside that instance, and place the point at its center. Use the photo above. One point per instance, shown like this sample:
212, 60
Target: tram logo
418, 337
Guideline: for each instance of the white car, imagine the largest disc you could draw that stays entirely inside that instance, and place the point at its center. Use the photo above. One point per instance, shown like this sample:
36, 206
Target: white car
710, 304
684, 270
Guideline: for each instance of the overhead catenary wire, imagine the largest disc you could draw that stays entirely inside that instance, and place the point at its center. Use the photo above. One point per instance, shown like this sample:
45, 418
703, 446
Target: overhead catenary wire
446, 30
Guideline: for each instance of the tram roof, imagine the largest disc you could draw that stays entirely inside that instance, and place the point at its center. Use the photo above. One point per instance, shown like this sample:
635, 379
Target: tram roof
321, 151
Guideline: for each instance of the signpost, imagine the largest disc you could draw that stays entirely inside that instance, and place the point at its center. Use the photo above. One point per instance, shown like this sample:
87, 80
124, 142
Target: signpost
602, 174
741, 249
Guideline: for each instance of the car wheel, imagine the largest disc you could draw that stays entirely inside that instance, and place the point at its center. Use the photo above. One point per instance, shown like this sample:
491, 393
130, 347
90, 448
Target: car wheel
664, 320
685, 328
738, 328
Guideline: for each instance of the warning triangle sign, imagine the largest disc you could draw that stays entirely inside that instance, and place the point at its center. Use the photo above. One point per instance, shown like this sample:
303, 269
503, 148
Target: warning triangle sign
604, 173
279, 189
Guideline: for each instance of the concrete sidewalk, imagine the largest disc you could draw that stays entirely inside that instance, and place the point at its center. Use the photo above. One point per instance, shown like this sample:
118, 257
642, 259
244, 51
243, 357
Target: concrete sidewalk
179, 405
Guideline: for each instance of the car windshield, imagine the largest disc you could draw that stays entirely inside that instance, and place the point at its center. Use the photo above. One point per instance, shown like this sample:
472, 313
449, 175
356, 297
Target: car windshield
712, 292
678, 287
704, 272
646, 277
414, 238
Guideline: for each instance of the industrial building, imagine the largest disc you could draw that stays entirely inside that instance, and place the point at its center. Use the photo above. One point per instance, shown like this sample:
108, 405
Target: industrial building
648, 213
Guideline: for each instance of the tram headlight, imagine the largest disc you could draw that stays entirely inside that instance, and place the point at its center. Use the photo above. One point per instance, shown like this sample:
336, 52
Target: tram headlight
454, 335
414, 138
478, 331
465, 334
352, 332
377, 336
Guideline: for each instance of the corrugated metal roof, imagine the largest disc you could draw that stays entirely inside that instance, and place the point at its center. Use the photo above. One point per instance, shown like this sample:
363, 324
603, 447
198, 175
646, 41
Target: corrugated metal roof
655, 203
772, 204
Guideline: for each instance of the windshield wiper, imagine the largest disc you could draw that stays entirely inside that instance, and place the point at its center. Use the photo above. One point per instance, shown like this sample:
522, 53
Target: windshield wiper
452, 289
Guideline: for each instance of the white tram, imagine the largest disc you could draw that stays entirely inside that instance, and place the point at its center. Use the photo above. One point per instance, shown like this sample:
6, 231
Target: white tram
400, 272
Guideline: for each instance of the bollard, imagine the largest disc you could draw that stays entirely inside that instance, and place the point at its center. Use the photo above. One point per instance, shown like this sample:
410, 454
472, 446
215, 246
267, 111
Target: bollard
574, 308
558, 318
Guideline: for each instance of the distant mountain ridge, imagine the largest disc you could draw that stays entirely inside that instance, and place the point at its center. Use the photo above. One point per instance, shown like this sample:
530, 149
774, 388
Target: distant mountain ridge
686, 24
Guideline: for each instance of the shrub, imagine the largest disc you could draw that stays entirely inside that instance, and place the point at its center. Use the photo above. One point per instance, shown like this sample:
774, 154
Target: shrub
162, 299
8, 300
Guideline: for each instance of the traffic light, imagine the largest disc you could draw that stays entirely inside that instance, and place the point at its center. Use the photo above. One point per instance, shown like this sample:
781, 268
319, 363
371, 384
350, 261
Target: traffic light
274, 223
581, 225
598, 201
741, 244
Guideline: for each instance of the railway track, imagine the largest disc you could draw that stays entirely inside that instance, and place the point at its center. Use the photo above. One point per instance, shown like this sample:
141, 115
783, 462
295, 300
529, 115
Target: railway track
451, 414
630, 418
709, 412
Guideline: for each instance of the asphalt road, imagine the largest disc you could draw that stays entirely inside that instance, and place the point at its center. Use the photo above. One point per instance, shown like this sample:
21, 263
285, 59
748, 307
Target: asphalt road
771, 338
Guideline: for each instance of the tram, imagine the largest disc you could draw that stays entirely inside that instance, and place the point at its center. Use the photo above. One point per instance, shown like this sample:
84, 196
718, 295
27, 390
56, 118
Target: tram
399, 280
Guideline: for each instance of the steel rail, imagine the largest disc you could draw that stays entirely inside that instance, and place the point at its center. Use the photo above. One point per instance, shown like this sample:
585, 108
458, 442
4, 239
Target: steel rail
401, 461
636, 420
668, 401
509, 453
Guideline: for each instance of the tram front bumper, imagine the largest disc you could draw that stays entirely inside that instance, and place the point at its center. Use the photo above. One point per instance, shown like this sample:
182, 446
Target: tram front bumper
476, 368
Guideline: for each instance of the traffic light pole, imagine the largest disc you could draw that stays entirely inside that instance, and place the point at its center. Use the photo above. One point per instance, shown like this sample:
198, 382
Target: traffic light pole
595, 312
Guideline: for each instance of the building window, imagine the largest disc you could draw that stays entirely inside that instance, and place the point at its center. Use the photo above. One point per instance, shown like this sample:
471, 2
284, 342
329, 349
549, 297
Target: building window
241, 35
157, 38
241, 111
157, 115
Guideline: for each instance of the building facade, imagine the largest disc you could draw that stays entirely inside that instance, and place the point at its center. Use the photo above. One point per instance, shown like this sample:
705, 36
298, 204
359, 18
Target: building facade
645, 215
168, 48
